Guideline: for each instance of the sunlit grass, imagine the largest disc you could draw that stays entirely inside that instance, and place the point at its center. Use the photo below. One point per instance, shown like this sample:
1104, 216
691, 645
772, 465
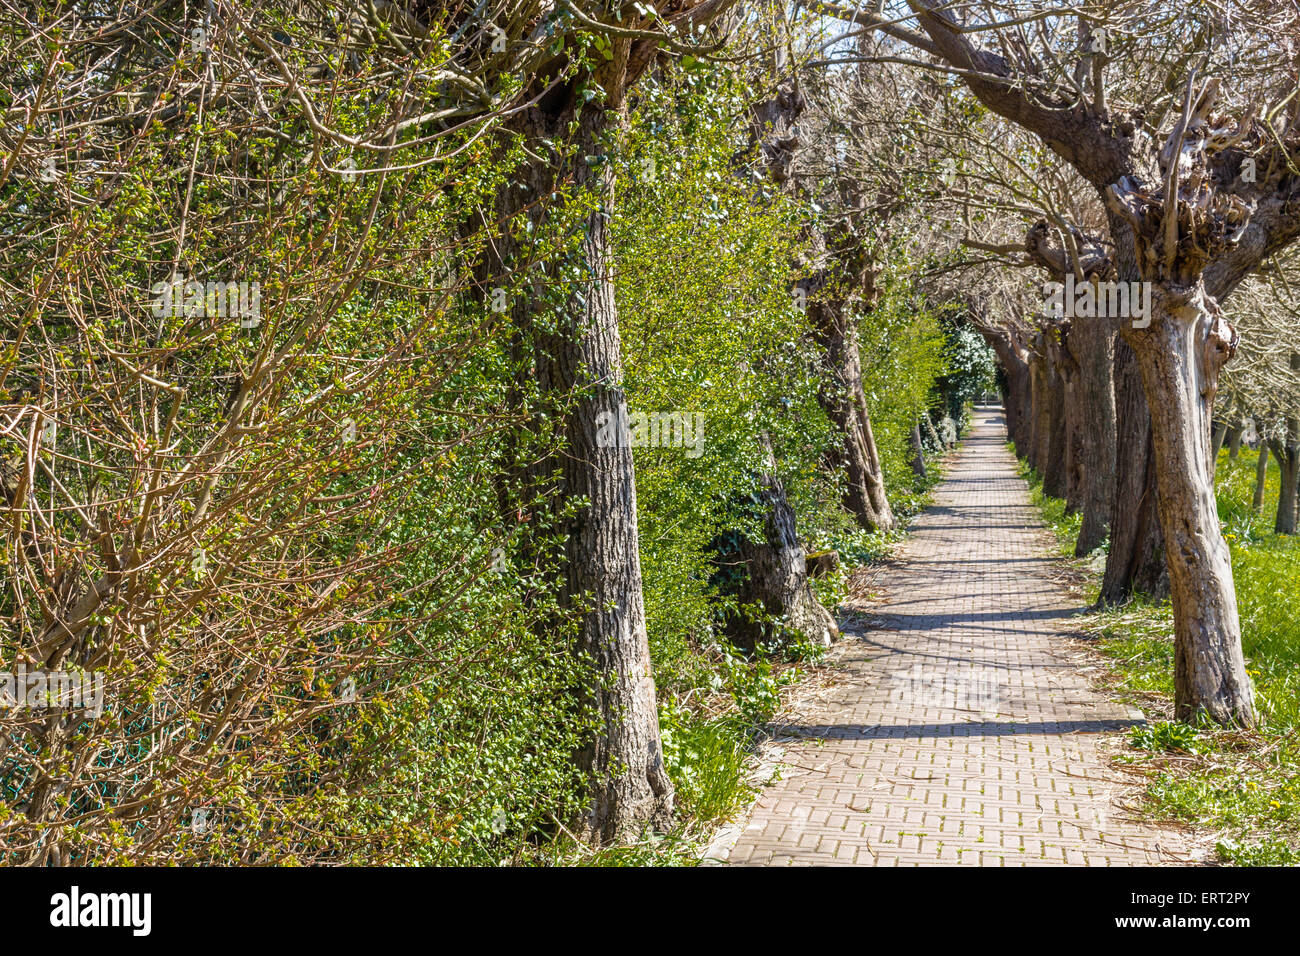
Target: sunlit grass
1242, 785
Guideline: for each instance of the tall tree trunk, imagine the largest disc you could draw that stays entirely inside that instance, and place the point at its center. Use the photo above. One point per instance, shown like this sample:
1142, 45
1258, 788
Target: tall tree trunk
1025, 413
918, 451
1053, 436
1063, 359
1261, 477
630, 786
1288, 459
576, 364
845, 402
1136, 560
1072, 432
1180, 355
1030, 450
1093, 344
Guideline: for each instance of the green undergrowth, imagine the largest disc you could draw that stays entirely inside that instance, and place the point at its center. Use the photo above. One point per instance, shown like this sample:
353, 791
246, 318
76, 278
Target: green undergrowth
1242, 786
1063, 523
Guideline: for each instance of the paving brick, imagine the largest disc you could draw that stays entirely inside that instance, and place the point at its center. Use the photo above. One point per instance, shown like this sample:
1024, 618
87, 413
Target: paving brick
962, 733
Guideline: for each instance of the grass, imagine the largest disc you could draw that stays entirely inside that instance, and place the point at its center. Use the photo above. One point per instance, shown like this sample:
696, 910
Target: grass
1242, 785
1064, 524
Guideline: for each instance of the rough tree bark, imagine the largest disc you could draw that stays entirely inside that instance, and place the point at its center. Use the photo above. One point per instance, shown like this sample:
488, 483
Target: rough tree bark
630, 784
1261, 476
845, 401
776, 573
1181, 347
1180, 355
1287, 453
1050, 430
1039, 408
1093, 345
918, 451
1135, 563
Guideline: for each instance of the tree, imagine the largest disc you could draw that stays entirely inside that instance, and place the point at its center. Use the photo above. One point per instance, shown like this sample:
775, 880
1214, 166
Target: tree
565, 115
1184, 219
839, 278
1263, 381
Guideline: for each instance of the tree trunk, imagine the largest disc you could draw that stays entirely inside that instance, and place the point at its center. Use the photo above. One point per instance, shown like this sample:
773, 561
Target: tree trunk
1070, 425
845, 402
1288, 459
1008, 415
1016, 406
630, 786
1261, 476
1136, 560
1073, 456
1234, 441
1038, 409
776, 574
1017, 395
1093, 344
1180, 355
1054, 434
918, 451
576, 364
1025, 413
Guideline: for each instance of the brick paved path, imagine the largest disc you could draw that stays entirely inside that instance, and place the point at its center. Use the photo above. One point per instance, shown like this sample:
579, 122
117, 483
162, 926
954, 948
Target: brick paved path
962, 730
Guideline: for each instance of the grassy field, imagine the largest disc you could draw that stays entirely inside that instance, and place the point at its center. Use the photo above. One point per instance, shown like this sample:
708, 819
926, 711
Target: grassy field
1242, 785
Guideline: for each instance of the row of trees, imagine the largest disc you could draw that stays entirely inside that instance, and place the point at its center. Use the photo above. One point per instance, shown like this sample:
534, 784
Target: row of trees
315, 316
1169, 140
284, 519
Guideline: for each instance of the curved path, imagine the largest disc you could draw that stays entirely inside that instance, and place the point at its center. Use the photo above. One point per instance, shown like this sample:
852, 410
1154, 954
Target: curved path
961, 727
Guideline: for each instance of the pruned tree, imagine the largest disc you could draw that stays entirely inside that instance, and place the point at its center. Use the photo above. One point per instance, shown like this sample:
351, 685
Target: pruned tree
1195, 201
570, 68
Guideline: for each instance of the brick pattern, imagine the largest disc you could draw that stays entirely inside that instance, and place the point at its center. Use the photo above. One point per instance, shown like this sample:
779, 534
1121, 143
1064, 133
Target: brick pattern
961, 728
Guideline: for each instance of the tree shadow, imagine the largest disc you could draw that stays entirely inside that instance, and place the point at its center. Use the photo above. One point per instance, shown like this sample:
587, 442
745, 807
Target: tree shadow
979, 728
